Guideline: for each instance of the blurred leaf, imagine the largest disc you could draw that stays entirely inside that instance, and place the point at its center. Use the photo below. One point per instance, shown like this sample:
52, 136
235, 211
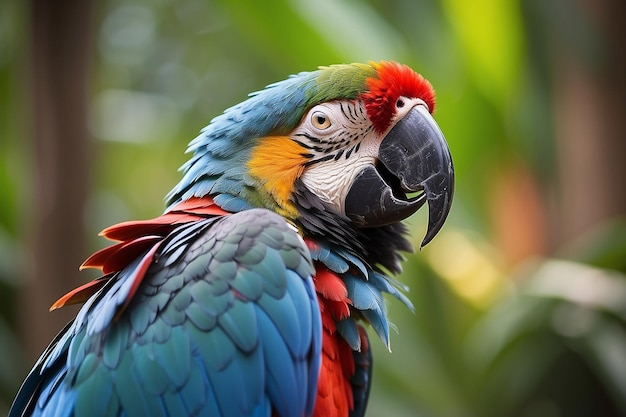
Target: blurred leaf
603, 349
281, 35
11, 366
492, 38
604, 247
566, 314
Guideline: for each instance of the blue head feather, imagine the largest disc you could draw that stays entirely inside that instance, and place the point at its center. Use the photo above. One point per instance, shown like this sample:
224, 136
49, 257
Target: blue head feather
222, 149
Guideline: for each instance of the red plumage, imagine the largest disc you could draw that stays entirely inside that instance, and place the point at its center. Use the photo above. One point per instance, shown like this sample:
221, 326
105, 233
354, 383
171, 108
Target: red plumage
135, 238
334, 292
394, 80
334, 390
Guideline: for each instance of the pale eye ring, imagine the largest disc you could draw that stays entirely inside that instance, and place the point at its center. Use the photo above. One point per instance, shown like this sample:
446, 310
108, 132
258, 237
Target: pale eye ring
320, 120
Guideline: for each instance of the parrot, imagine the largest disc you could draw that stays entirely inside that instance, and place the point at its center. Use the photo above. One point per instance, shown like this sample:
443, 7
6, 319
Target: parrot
252, 295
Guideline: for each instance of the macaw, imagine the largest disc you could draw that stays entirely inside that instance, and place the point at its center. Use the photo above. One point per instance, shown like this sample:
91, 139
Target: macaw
248, 297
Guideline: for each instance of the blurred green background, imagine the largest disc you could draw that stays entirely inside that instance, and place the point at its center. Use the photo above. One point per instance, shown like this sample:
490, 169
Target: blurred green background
520, 301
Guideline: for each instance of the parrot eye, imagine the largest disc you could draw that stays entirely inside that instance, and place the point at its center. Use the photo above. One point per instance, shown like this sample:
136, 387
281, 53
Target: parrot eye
320, 120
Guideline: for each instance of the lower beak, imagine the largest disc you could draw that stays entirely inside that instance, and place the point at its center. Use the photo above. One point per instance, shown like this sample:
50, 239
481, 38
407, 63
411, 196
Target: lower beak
413, 157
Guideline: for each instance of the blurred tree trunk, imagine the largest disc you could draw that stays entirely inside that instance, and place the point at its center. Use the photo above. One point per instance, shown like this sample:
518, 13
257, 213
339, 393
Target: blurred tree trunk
60, 43
589, 81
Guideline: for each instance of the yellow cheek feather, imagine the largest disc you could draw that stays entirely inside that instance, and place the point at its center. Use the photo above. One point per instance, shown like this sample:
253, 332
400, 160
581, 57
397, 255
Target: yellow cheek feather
277, 162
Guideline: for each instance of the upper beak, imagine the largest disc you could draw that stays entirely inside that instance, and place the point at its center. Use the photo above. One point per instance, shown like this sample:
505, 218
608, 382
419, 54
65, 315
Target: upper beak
414, 156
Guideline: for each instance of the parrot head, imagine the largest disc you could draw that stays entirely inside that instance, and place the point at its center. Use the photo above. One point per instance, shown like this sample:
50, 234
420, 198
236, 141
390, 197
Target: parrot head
340, 151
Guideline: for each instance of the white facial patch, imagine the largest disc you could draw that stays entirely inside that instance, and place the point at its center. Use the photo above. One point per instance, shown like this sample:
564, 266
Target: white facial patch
331, 180
342, 142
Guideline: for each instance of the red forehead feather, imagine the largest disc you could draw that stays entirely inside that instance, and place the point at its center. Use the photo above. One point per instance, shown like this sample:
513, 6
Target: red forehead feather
394, 80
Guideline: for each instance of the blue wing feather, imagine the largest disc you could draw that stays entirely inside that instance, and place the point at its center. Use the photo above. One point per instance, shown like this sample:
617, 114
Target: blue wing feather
215, 330
365, 286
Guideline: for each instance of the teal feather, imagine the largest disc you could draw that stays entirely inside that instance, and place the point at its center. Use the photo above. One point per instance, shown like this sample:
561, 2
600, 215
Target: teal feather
358, 263
149, 371
117, 343
233, 204
272, 268
193, 393
173, 317
295, 260
90, 364
365, 291
174, 404
273, 288
281, 377
239, 324
215, 338
348, 329
286, 320
369, 300
132, 398
158, 332
200, 318
210, 406
226, 253
215, 349
213, 298
377, 318
250, 289
226, 270
251, 256
98, 391
363, 294
175, 358
181, 300
81, 345
274, 238
385, 284
332, 260
155, 304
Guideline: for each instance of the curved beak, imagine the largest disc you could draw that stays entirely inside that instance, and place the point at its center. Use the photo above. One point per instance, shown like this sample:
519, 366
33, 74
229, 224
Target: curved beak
413, 157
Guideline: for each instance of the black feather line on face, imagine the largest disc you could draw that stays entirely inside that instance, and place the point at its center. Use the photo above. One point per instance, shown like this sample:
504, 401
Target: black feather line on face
376, 246
318, 160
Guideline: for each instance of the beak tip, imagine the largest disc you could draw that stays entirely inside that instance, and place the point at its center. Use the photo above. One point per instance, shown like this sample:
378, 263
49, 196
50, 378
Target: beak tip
433, 230
430, 235
438, 209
